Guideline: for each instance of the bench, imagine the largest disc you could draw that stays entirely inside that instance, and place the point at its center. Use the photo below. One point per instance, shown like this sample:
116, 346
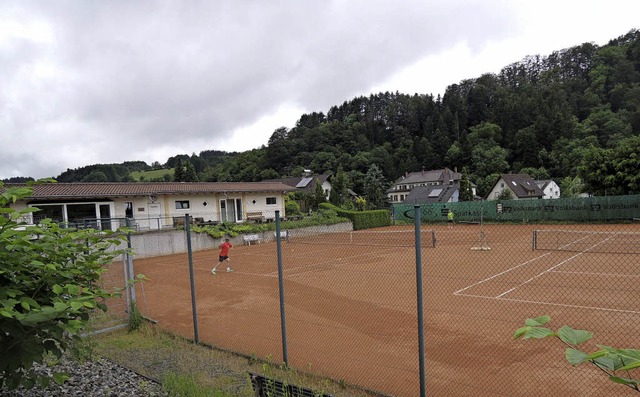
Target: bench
267, 387
255, 216
284, 235
251, 238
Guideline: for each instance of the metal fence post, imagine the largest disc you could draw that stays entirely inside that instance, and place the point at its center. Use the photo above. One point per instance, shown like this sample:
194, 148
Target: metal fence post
283, 321
416, 212
131, 294
187, 228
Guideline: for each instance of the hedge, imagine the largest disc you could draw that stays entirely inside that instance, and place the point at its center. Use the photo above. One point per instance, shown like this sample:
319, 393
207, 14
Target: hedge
362, 219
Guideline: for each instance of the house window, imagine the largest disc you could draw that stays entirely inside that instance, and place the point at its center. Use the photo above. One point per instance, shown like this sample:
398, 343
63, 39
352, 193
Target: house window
271, 201
128, 209
182, 204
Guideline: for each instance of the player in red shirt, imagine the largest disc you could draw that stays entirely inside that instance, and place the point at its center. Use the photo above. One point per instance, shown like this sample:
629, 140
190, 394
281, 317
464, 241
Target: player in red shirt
224, 256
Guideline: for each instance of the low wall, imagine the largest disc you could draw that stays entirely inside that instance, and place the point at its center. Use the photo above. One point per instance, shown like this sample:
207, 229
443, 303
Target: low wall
169, 242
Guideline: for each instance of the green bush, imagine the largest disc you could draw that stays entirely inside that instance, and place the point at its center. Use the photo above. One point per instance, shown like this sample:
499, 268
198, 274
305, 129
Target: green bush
291, 208
362, 219
49, 284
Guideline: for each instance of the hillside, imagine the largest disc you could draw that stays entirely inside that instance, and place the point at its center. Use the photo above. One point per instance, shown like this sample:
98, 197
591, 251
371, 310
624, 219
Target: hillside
573, 116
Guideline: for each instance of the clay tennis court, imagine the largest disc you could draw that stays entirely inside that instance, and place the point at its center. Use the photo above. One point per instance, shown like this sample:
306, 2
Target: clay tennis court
351, 306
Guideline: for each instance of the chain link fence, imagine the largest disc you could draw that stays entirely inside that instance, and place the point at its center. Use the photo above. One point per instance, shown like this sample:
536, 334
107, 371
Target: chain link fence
115, 279
344, 303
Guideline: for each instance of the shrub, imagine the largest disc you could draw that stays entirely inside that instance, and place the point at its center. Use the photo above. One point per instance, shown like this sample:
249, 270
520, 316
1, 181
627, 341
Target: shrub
362, 219
49, 284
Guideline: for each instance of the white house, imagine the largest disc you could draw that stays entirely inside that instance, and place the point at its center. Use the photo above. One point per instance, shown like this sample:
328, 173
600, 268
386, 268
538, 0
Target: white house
550, 189
153, 205
521, 186
433, 186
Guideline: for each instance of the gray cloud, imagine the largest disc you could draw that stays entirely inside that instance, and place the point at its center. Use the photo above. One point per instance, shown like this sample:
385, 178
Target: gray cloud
111, 81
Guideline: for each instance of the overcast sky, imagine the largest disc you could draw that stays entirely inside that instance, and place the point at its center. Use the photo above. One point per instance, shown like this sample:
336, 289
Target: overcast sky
86, 82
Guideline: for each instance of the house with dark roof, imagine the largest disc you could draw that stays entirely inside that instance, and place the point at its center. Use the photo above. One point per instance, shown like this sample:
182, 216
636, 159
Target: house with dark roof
436, 185
307, 183
433, 194
152, 205
550, 188
521, 186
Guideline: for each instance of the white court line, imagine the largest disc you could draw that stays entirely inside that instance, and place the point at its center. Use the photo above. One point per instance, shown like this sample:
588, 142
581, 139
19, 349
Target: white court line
551, 268
540, 274
501, 273
598, 274
513, 268
459, 292
552, 304
335, 261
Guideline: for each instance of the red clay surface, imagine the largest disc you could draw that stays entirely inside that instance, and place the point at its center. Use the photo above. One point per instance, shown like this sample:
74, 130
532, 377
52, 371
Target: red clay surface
351, 308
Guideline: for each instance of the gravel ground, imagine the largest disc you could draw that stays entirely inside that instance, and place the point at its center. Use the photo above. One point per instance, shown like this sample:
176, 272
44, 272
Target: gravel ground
93, 378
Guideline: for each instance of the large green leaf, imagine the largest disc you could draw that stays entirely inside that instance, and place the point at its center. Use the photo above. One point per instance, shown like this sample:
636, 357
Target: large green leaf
520, 332
538, 321
47, 313
60, 377
608, 362
625, 381
575, 356
628, 354
572, 336
538, 333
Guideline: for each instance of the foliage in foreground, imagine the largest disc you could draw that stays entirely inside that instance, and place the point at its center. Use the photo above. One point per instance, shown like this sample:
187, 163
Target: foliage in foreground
49, 284
610, 360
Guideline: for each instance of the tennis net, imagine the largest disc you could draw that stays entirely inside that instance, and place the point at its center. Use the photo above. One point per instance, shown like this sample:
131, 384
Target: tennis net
586, 241
394, 238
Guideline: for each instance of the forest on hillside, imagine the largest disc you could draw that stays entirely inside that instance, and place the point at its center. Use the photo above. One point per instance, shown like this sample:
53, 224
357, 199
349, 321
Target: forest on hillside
572, 116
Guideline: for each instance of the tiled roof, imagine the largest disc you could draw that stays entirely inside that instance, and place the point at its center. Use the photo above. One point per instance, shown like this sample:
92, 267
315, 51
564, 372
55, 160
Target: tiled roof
431, 194
444, 175
295, 181
522, 185
114, 189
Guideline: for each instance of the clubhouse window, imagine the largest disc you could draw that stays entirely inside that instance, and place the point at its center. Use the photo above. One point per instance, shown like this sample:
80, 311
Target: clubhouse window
271, 201
182, 204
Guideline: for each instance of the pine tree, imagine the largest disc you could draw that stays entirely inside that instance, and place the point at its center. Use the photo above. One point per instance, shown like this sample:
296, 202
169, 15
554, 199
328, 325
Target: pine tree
189, 172
178, 172
466, 191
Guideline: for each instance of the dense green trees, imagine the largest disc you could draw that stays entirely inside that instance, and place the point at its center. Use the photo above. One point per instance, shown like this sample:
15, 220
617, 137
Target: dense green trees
556, 114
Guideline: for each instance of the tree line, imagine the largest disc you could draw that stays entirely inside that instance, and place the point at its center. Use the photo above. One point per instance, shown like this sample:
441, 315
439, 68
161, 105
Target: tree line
572, 116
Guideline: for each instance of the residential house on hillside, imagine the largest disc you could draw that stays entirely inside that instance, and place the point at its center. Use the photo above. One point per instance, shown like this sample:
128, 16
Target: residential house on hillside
307, 182
153, 205
437, 186
550, 188
434, 194
521, 186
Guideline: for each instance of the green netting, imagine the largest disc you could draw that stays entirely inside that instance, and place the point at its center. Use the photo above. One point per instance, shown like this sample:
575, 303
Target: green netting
566, 209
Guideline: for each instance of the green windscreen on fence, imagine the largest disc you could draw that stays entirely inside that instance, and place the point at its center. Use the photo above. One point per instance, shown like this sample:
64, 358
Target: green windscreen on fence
564, 209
